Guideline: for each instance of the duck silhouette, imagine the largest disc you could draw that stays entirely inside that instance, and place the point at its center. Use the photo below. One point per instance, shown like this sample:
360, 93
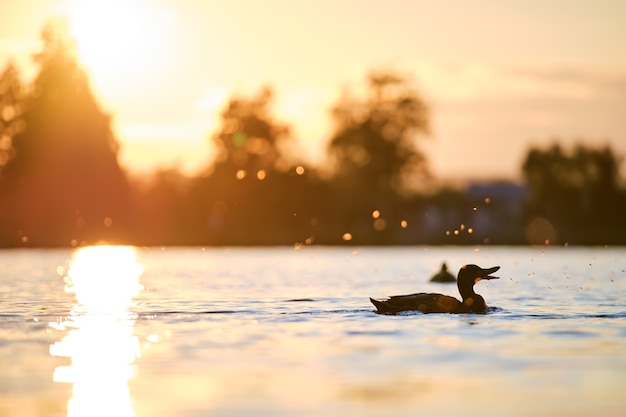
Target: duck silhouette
443, 276
439, 303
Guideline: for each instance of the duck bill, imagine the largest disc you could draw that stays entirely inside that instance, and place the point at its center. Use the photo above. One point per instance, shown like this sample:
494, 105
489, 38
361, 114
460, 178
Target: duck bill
487, 273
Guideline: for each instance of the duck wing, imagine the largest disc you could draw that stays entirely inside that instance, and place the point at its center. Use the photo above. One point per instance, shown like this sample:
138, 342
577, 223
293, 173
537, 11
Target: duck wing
424, 302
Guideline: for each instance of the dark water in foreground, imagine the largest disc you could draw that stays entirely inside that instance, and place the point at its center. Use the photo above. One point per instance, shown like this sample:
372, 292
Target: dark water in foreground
280, 332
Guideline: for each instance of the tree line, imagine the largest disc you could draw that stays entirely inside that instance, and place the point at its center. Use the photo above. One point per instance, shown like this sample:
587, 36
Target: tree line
61, 183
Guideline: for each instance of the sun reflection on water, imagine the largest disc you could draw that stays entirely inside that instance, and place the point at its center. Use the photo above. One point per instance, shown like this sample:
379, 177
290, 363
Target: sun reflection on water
100, 340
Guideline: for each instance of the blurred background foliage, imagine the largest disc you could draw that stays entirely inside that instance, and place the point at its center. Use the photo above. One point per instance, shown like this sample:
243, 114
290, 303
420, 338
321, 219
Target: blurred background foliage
61, 183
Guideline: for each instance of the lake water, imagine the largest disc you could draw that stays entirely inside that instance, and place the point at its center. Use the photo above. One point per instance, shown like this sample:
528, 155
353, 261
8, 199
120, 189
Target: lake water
114, 331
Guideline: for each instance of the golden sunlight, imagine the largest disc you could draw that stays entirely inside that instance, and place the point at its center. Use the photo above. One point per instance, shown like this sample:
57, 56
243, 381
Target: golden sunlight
100, 340
115, 36
104, 278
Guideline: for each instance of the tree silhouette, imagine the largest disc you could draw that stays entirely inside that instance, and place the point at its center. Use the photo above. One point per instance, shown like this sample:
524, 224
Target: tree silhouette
160, 203
64, 181
11, 108
250, 139
577, 192
374, 145
374, 153
253, 194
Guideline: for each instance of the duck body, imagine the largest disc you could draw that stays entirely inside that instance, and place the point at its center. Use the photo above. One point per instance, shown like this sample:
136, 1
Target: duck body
440, 303
443, 275
424, 302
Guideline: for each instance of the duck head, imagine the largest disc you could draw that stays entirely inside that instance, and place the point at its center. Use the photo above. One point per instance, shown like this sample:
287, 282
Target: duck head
470, 275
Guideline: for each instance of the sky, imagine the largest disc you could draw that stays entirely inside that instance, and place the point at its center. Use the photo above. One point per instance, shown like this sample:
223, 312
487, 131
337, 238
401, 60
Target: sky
498, 76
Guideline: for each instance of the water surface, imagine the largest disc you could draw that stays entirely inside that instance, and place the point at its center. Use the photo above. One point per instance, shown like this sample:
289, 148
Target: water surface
284, 332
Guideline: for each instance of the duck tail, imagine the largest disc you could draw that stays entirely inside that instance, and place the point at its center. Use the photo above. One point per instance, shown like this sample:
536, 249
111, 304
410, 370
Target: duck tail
383, 307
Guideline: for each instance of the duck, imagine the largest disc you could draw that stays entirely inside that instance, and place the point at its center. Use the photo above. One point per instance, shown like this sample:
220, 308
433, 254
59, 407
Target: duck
440, 303
444, 275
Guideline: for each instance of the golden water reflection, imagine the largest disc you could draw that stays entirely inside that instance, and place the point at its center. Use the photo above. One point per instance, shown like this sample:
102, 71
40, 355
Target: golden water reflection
100, 338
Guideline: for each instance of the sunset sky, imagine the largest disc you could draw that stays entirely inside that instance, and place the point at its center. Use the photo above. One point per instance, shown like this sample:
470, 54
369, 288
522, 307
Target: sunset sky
499, 76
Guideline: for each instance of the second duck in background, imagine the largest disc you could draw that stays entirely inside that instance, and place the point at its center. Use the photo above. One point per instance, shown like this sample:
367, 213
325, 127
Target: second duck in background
443, 276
